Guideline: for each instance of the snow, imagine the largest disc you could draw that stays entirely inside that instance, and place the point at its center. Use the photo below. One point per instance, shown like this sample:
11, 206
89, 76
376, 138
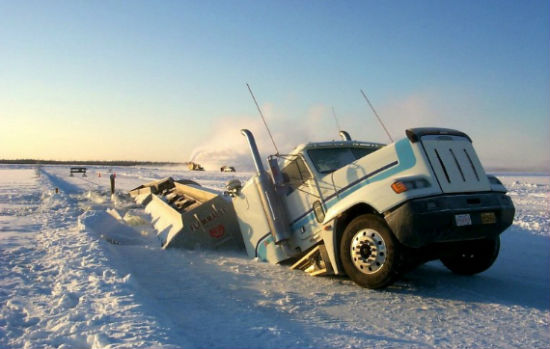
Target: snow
81, 268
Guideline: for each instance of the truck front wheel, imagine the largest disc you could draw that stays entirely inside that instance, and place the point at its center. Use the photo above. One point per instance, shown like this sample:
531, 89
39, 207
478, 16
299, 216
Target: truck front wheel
369, 252
472, 257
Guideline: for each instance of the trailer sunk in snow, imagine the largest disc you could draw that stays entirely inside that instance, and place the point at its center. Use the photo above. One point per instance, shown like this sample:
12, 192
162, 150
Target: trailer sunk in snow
367, 210
187, 215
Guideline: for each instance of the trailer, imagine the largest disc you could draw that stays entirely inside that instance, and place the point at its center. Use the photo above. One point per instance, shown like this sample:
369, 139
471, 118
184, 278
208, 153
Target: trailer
186, 215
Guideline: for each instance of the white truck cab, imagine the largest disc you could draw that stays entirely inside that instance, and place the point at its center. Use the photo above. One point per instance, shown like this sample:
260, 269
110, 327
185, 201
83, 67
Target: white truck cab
372, 211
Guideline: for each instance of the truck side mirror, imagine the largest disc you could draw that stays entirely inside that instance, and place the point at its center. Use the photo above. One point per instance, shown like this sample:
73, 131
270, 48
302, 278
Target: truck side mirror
233, 187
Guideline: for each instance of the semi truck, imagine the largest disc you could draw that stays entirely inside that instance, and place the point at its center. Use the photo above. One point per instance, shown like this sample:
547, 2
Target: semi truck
368, 210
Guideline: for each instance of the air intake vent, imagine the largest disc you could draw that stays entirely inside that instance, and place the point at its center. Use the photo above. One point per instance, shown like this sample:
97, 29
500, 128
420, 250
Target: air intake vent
443, 166
471, 164
458, 165
455, 164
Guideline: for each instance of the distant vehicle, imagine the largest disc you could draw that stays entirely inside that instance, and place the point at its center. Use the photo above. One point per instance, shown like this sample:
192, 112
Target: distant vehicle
78, 170
194, 167
227, 169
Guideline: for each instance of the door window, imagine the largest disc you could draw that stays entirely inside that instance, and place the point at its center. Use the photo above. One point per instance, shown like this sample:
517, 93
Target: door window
295, 174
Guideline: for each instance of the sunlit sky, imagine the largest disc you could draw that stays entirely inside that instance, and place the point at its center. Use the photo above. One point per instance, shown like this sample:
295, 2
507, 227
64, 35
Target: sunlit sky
163, 80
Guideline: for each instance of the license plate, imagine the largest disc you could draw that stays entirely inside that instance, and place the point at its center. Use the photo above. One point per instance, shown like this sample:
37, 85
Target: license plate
488, 218
463, 219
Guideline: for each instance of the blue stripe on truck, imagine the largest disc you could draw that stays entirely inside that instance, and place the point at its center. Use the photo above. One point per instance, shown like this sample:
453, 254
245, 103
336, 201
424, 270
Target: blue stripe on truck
405, 160
352, 184
261, 250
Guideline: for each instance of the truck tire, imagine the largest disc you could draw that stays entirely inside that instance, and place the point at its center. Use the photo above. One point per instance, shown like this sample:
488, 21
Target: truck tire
369, 252
472, 257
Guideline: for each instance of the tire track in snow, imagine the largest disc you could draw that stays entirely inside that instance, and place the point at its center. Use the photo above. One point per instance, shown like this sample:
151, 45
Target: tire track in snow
65, 291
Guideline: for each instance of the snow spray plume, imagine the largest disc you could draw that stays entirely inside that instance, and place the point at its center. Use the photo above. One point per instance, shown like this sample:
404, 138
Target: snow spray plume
226, 146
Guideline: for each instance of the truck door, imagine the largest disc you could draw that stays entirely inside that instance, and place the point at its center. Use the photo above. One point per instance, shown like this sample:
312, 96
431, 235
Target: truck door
300, 197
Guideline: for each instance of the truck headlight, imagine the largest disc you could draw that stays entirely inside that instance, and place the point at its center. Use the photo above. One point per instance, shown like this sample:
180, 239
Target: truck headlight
403, 185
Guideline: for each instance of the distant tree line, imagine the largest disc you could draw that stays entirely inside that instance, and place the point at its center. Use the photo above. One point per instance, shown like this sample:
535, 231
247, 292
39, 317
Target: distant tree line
92, 163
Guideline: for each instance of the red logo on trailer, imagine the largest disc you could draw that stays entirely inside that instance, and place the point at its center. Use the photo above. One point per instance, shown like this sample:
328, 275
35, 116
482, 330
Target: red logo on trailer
217, 232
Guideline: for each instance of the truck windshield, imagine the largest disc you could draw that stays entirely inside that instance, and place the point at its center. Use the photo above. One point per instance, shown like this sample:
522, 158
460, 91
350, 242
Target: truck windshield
327, 160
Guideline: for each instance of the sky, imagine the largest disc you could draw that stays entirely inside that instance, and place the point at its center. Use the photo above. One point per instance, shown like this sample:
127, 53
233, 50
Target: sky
166, 80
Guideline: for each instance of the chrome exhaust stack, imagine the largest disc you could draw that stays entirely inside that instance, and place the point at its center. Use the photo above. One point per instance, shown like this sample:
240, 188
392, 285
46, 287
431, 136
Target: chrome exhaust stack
345, 135
271, 203
254, 149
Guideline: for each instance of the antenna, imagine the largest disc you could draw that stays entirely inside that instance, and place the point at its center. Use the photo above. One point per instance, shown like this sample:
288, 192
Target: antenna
336, 119
263, 119
376, 114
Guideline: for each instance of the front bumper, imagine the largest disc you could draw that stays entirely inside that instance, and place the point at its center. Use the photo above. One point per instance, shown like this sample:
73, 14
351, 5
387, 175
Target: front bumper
419, 222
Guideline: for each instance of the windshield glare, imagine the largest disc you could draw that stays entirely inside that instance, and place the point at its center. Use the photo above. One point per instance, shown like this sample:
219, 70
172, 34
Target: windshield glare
327, 160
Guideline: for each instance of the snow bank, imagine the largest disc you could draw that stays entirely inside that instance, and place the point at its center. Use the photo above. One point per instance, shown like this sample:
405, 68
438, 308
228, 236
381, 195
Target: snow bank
531, 196
104, 225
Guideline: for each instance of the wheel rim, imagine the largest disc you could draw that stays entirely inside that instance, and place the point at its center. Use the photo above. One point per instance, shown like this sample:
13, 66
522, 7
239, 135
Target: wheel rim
368, 251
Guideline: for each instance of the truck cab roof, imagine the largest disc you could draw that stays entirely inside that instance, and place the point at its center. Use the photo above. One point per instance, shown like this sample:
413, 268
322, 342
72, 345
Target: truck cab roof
335, 144
329, 156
